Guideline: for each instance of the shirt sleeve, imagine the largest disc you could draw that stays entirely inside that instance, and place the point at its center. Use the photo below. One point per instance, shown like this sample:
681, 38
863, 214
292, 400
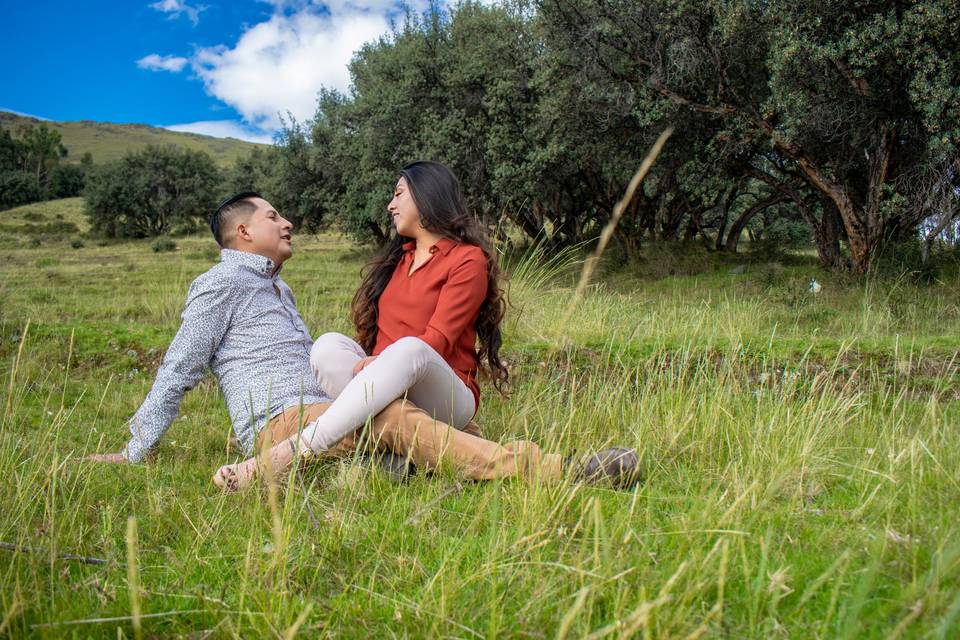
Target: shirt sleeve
204, 322
458, 304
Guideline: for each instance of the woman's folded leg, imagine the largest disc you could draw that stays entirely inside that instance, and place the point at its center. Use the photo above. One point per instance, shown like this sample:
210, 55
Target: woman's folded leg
332, 359
407, 368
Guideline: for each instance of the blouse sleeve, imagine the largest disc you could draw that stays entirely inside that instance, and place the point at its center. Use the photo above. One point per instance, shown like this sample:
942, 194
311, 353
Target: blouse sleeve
458, 304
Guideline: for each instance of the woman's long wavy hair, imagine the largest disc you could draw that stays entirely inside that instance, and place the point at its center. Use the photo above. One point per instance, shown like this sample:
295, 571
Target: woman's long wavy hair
443, 210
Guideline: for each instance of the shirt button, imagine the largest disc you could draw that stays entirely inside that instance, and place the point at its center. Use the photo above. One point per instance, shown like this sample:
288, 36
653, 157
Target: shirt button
433, 249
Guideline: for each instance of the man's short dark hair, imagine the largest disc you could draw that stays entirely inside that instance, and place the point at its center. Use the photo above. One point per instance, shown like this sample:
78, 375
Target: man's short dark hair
229, 208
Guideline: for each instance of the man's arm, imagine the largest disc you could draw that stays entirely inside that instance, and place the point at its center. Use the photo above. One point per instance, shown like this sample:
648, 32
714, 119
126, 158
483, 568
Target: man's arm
204, 322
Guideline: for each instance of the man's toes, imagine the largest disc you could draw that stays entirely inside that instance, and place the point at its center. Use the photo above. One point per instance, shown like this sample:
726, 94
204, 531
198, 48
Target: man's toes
223, 477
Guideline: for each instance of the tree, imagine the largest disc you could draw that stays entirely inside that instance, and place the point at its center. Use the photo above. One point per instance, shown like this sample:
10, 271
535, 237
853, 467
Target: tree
9, 152
453, 87
253, 172
40, 150
147, 193
863, 104
30, 164
839, 118
66, 181
18, 188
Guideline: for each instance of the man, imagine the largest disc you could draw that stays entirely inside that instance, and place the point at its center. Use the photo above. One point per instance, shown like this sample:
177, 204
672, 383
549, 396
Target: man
241, 321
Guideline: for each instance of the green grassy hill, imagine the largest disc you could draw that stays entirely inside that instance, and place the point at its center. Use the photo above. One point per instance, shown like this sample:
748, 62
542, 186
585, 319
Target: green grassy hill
107, 141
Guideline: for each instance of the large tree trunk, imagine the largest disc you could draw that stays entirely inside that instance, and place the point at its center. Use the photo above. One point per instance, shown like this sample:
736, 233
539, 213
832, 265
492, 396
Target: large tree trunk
946, 219
736, 229
694, 224
863, 227
377, 232
826, 236
728, 199
530, 223
671, 216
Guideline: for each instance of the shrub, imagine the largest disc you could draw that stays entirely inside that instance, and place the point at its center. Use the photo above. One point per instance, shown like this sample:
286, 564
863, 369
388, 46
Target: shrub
161, 245
150, 192
67, 181
77, 243
905, 257
770, 275
17, 188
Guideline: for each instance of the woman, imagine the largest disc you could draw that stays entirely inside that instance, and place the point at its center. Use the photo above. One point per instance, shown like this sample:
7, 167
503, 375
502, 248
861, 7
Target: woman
419, 312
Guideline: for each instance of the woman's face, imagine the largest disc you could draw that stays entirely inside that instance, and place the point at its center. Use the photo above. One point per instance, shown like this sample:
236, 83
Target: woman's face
403, 210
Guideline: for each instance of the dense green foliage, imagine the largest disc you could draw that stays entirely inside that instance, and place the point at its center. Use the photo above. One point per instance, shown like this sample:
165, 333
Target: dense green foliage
830, 124
151, 192
68, 180
31, 169
19, 187
851, 113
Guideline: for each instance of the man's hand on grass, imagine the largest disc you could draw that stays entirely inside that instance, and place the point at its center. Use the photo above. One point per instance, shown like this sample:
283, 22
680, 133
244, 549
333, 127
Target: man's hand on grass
115, 458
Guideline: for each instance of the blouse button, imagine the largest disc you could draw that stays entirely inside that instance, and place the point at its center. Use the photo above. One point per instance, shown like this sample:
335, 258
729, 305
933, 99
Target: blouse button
433, 249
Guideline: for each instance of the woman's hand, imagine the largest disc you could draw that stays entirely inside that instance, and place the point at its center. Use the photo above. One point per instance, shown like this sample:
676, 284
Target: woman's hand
357, 368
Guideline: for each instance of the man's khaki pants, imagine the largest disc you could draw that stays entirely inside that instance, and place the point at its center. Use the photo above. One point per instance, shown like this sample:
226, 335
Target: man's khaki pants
406, 430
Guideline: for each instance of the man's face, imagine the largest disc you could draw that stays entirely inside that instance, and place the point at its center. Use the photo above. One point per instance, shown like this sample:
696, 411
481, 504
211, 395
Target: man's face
266, 233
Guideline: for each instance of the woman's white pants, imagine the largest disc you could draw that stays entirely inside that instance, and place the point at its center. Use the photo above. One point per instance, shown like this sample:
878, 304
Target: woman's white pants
408, 368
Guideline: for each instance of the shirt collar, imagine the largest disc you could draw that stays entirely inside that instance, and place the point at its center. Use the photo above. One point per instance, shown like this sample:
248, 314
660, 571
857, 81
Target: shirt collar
261, 264
443, 245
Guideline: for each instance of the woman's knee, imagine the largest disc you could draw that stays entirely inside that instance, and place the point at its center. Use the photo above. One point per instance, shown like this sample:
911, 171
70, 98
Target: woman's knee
329, 344
332, 357
410, 347
330, 341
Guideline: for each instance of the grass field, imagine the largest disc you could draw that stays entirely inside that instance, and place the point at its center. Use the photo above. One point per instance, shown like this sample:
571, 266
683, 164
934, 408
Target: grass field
802, 451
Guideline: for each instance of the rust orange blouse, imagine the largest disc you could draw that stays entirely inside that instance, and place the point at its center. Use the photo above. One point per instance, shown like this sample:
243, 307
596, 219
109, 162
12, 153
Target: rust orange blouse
439, 304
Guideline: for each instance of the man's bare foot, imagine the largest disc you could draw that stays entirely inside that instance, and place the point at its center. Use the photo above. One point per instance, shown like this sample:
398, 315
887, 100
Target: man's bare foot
115, 458
237, 477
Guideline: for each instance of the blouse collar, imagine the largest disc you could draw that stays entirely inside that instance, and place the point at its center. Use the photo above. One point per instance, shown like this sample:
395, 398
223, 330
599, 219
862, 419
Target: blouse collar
443, 245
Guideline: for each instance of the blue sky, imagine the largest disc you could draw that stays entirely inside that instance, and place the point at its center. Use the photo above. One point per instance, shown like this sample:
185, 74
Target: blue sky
216, 67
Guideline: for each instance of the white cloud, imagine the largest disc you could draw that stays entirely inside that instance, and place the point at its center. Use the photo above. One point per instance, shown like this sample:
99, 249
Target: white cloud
176, 8
339, 6
155, 62
279, 66
223, 129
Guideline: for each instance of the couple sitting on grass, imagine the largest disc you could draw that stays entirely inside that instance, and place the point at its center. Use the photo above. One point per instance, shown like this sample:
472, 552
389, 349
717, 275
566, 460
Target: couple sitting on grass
404, 392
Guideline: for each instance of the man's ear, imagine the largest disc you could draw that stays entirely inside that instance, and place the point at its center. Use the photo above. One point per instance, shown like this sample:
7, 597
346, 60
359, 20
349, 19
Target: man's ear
242, 232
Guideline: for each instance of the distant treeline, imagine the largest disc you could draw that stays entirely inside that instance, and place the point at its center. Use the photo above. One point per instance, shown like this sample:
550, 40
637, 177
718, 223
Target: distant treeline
832, 125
